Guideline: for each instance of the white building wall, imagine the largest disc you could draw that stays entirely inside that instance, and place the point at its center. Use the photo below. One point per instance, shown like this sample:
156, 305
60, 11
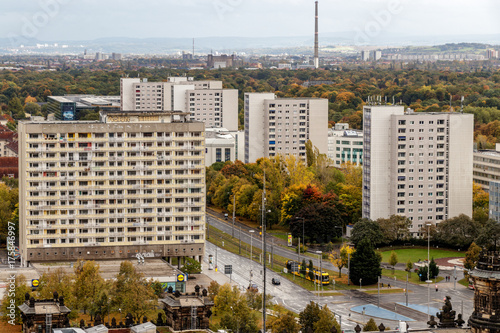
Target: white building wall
229, 109
127, 93
461, 141
377, 160
318, 124
254, 125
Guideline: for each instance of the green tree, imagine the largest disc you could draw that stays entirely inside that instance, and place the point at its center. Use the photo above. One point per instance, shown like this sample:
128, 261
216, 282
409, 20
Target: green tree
283, 321
370, 326
309, 316
11, 312
393, 260
489, 235
157, 288
366, 229
311, 270
459, 231
326, 321
365, 264
16, 109
471, 257
191, 266
433, 269
33, 109
303, 267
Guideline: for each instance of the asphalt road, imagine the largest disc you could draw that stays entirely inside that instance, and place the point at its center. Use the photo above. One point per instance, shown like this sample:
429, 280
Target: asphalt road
296, 298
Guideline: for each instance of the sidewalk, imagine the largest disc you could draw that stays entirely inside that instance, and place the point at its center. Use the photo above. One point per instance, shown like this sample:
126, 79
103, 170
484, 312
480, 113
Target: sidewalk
218, 277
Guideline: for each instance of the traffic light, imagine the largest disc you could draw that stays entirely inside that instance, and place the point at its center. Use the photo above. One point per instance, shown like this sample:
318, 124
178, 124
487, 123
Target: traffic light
436, 287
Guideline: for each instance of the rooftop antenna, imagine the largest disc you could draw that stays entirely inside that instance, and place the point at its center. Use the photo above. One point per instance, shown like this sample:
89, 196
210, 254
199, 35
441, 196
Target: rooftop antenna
193, 48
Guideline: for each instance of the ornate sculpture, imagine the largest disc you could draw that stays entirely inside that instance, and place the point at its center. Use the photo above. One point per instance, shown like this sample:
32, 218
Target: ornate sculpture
447, 315
432, 322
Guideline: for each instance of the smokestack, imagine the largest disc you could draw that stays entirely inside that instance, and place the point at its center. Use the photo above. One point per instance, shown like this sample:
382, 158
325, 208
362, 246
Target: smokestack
316, 45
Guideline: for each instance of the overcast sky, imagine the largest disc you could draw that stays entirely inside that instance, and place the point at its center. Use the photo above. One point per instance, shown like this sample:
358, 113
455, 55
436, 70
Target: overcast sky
89, 19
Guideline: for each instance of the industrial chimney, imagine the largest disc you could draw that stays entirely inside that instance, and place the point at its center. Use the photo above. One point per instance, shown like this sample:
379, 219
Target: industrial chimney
316, 47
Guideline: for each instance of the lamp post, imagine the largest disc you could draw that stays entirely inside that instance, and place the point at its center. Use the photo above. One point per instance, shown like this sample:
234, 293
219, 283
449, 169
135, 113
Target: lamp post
320, 269
234, 211
303, 239
428, 271
251, 244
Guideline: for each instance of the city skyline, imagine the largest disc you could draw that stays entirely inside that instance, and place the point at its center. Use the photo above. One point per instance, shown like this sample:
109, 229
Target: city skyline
57, 20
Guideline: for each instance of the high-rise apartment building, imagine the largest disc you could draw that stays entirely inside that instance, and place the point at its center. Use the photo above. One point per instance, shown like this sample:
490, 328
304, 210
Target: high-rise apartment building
206, 101
284, 125
417, 165
131, 183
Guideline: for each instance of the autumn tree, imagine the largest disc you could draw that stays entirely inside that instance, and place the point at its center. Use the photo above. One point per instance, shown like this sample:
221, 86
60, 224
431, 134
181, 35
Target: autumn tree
16, 297
326, 321
60, 281
409, 266
89, 282
309, 316
283, 321
471, 258
340, 259
395, 228
133, 293
233, 310
393, 260
370, 326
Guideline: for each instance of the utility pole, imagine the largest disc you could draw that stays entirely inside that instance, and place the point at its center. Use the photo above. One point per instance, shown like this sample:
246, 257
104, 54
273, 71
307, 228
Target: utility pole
378, 287
348, 267
234, 209
264, 254
406, 289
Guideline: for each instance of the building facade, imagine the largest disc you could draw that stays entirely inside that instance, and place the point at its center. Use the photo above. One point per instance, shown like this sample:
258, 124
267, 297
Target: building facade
223, 145
417, 165
486, 167
206, 101
283, 126
345, 145
486, 279
130, 183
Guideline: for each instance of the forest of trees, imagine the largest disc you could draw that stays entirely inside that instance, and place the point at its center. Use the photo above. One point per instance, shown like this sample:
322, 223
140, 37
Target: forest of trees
421, 90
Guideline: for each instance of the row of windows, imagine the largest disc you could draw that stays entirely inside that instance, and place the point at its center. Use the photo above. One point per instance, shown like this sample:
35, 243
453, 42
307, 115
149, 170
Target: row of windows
421, 122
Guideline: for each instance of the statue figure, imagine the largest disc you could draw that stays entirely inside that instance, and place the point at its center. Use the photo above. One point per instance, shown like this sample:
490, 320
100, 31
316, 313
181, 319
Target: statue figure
447, 315
381, 327
459, 320
129, 321
97, 320
432, 322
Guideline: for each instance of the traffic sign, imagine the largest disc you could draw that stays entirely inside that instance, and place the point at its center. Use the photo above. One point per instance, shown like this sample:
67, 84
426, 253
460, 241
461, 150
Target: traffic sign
228, 269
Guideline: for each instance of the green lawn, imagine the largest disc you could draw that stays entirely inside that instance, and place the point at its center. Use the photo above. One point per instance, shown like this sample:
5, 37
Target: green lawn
401, 275
415, 253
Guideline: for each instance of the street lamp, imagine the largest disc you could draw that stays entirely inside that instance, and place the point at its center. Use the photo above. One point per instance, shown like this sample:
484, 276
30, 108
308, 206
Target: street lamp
234, 211
428, 271
360, 283
320, 269
303, 239
251, 243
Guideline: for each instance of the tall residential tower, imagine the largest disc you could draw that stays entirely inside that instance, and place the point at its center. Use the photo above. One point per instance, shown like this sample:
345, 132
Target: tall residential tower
417, 165
133, 182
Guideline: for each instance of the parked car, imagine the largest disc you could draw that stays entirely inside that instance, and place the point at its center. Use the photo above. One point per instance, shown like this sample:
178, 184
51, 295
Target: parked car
276, 281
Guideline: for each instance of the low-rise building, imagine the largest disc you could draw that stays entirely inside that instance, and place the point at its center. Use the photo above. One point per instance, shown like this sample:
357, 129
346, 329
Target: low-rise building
345, 145
486, 167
